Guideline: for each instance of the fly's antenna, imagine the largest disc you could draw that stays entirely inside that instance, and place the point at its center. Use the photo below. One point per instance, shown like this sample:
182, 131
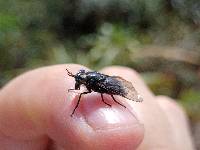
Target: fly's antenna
69, 73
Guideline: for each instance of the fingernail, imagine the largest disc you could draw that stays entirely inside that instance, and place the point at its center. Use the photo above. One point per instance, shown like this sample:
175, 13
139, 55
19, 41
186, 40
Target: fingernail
100, 116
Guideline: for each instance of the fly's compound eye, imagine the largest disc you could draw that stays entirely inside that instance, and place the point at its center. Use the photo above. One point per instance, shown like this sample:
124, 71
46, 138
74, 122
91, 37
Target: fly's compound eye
81, 78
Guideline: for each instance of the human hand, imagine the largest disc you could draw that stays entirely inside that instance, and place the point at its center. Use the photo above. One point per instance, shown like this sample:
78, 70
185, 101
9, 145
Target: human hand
35, 111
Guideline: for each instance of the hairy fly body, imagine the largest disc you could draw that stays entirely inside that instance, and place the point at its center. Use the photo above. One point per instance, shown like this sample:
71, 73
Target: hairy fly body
104, 84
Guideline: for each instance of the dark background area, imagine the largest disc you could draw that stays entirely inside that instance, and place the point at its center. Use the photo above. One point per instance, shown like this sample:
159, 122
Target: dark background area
160, 39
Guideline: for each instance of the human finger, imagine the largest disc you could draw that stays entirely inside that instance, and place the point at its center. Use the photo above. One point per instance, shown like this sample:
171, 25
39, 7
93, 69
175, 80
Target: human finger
37, 105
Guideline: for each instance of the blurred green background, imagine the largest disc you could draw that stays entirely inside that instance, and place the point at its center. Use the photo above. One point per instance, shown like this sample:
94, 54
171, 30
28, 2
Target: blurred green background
160, 39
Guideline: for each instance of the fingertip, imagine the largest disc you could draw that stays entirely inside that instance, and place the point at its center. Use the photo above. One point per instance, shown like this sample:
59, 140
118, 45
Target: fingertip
96, 126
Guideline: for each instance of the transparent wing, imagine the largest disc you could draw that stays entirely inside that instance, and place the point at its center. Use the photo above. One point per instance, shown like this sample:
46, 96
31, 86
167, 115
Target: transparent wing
129, 91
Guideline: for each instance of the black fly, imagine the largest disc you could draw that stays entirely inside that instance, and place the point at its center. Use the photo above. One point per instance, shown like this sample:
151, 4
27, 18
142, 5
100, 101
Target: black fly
104, 84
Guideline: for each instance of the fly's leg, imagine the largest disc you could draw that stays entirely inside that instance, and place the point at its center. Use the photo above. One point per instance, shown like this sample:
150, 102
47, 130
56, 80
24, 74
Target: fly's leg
117, 101
73, 89
69, 90
79, 101
104, 100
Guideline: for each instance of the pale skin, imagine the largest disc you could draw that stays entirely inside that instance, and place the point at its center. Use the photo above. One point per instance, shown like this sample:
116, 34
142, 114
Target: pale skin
35, 111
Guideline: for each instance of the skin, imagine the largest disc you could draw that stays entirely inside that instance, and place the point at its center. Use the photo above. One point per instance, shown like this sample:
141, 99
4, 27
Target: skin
35, 113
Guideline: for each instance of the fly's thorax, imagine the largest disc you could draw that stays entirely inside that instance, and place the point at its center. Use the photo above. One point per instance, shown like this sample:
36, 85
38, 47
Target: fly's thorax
95, 76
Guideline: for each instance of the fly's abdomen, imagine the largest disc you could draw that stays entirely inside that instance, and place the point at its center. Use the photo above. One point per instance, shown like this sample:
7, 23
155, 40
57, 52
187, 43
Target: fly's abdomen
113, 86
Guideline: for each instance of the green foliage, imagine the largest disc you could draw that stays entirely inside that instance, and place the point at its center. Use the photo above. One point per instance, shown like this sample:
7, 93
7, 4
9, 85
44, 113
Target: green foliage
190, 99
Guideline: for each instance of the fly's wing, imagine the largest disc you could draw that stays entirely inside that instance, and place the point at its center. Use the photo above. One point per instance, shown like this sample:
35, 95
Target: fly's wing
129, 91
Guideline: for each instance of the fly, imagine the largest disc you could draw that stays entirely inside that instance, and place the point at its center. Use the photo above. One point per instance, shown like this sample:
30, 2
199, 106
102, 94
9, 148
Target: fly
104, 84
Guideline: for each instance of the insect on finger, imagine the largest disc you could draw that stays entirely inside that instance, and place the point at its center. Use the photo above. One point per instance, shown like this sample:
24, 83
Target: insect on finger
104, 84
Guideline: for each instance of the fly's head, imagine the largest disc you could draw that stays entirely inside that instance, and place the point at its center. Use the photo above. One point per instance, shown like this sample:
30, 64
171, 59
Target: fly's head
80, 77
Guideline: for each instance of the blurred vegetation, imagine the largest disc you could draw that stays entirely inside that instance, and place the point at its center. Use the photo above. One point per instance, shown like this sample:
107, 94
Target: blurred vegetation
160, 39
